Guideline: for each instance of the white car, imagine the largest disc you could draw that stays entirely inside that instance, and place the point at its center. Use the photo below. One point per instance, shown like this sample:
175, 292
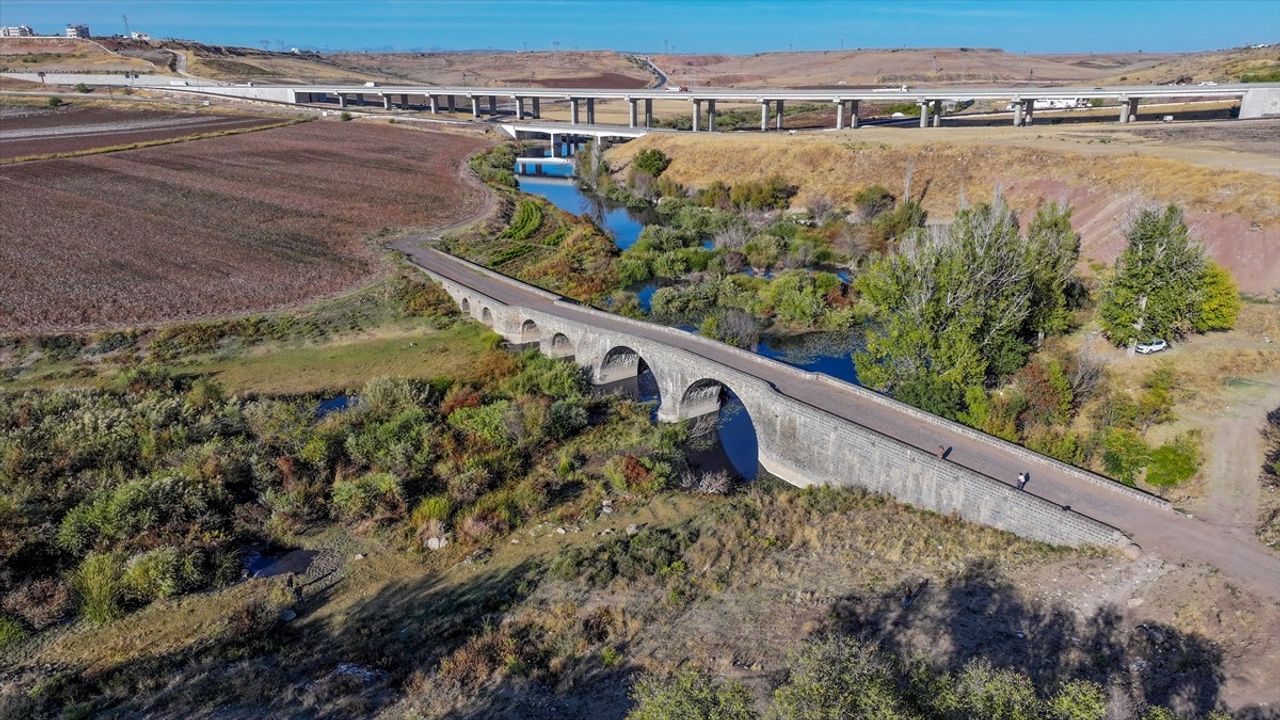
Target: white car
1152, 346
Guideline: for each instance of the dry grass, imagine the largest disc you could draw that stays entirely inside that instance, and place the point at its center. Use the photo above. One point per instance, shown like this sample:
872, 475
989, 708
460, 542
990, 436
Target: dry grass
346, 363
1104, 176
952, 66
63, 55
1206, 363
571, 69
840, 164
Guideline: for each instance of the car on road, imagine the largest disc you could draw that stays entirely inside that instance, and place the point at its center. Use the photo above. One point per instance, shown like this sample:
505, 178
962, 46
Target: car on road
1154, 345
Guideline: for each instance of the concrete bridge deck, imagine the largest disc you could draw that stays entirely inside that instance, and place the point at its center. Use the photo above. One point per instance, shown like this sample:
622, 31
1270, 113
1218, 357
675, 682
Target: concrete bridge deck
908, 438
1257, 99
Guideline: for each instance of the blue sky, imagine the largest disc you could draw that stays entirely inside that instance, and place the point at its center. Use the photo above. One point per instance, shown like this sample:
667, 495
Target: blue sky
741, 26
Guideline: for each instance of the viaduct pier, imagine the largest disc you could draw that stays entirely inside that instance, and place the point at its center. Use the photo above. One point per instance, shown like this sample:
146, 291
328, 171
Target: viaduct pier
525, 103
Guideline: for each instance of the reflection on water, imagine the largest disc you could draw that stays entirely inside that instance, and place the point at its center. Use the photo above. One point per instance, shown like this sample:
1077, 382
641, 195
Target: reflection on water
334, 404
827, 353
732, 438
623, 224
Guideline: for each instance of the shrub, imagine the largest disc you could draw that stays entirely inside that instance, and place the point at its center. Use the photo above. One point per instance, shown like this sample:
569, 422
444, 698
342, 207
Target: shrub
838, 677
485, 423
873, 200
690, 695
1219, 300
346, 116
1078, 700
566, 418
147, 505
375, 495
11, 632
644, 554
54, 102
1124, 454
39, 603
1175, 462
99, 586
651, 161
157, 574
984, 691
82, 88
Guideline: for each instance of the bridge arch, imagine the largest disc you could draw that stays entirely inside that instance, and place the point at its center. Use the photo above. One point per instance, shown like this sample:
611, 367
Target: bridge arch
486, 316
465, 304
529, 332
720, 415
622, 370
561, 345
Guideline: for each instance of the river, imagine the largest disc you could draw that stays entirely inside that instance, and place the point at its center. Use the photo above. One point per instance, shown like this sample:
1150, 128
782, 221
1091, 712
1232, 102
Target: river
827, 353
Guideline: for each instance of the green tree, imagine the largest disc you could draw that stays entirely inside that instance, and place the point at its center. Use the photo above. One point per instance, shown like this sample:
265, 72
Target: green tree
954, 309
1054, 248
836, 678
1219, 299
1155, 289
691, 695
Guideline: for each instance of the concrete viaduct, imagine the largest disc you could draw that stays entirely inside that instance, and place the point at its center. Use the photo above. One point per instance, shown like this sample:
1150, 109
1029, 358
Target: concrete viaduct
813, 429
1257, 99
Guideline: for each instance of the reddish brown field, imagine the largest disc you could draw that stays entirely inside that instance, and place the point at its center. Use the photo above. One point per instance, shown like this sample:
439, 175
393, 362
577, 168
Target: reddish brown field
212, 227
27, 132
560, 69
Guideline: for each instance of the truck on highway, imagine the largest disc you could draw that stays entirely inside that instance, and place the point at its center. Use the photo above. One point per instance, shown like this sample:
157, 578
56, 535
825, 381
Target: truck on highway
677, 88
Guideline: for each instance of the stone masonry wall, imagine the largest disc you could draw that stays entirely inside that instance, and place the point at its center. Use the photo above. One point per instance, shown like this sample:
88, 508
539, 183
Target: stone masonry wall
804, 445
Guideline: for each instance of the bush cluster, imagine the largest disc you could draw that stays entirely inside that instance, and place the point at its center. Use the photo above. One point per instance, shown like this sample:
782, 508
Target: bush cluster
836, 677
153, 487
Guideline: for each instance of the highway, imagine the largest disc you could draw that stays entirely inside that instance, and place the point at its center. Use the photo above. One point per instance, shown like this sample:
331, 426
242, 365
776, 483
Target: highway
1155, 528
755, 95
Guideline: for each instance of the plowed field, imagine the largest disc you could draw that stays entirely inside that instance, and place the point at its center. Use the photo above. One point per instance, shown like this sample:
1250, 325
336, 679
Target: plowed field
30, 132
218, 226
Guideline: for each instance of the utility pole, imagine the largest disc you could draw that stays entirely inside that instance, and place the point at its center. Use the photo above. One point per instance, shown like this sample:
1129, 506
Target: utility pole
125, 18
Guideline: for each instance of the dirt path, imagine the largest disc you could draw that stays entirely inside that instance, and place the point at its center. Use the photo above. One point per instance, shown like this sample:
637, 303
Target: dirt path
1234, 452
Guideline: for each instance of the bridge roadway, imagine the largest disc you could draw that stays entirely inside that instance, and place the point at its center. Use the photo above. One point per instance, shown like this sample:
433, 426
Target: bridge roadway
1258, 99
1152, 525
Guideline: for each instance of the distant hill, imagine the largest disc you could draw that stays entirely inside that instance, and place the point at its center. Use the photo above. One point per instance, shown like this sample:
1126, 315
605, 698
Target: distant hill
603, 68
972, 66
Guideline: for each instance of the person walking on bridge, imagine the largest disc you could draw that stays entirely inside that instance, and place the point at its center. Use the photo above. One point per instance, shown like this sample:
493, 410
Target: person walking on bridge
1022, 480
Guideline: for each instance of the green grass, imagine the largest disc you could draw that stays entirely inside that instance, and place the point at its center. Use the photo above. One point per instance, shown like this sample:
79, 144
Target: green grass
345, 363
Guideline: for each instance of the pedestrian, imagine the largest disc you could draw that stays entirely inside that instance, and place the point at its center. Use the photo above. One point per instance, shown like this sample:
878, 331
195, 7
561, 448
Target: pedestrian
1022, 480
942, 452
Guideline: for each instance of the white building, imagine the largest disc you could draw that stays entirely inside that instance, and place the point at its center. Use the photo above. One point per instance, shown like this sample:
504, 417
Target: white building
77, 31
17, 31
135, 35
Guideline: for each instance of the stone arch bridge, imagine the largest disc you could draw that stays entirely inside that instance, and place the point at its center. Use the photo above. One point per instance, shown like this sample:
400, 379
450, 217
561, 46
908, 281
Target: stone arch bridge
813, 429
